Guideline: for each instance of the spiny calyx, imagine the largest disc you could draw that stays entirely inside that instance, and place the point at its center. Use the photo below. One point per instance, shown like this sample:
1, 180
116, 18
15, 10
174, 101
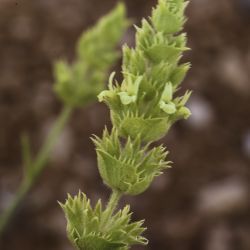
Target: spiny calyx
89, 229
128, 167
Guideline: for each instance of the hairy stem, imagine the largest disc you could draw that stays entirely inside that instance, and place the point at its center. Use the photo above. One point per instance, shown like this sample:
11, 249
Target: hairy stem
36, 167
111, 206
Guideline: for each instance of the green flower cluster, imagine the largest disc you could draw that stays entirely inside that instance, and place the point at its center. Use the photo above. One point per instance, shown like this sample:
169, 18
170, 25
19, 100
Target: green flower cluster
88, 228
144, 104
78, 84
143, 108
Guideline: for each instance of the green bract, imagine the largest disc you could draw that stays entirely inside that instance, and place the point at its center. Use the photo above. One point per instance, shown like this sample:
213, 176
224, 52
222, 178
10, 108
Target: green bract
80, 82
88, 230
128, 168
169, 16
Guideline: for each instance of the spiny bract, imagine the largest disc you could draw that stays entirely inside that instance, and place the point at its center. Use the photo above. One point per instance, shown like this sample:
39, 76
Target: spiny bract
128, 168
88, 230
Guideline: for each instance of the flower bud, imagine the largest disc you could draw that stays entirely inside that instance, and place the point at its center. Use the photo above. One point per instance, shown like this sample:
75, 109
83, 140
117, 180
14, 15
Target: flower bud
168, 16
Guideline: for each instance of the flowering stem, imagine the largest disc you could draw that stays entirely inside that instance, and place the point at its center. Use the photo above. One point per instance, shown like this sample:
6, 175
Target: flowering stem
51, 140
36, 166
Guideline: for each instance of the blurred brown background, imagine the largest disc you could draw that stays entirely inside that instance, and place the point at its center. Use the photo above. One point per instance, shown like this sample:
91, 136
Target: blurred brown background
202, 203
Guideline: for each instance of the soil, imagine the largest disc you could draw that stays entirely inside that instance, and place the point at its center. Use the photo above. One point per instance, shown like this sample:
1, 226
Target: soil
202, 203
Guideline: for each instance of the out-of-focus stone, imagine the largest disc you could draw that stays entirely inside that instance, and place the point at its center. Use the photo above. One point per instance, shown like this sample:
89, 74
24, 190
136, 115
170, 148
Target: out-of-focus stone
232, 70
63, 148
246, 143
202, 113
226, 197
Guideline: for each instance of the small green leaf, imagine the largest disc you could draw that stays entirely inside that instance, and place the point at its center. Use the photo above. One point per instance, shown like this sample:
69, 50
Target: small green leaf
179, 74
167, 94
